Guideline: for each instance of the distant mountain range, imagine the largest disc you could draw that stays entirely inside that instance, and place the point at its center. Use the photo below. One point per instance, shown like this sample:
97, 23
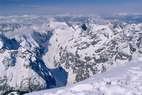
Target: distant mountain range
133, 18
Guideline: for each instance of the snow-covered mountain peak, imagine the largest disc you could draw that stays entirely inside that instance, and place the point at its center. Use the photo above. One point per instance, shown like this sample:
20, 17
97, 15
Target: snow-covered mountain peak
56, 51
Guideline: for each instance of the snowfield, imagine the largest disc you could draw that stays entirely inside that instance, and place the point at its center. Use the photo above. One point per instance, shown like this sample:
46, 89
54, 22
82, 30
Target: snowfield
121, 80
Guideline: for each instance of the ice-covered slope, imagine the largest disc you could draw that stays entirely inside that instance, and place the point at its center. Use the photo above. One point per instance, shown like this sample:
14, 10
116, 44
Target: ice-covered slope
122, 80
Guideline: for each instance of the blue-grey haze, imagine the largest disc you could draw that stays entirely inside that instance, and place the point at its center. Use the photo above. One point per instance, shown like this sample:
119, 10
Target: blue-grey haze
8, 7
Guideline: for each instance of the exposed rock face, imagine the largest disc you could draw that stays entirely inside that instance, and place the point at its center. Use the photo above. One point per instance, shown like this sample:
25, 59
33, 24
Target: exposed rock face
37, 56
84, 53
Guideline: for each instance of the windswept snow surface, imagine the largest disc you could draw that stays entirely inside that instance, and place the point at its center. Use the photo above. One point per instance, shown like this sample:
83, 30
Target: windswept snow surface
121, 80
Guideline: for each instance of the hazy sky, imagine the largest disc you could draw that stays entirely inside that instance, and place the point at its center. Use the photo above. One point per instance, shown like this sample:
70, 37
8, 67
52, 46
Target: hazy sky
8, 7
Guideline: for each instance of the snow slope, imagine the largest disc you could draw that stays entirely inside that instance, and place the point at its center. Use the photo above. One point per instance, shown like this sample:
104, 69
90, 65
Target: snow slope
121, 80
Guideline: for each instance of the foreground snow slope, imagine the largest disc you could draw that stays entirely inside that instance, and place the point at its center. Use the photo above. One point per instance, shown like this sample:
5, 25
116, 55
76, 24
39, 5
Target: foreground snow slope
121, 80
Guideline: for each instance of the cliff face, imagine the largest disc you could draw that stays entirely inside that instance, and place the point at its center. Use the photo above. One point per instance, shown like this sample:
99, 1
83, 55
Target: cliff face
86, 49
